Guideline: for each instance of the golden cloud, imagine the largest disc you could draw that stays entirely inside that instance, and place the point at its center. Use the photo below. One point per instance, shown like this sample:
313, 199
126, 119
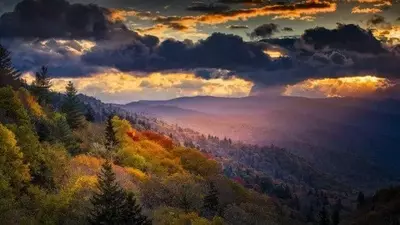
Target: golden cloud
113, 85
338, 87
302, 10
360, 10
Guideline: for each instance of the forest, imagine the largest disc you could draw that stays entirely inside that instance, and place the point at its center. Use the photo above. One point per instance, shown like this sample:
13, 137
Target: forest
63, 161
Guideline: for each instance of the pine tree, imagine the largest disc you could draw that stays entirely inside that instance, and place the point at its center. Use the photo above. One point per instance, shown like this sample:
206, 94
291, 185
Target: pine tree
8, 74
41, 85
72, 108
108, 202
111, 140
112, 205
335, 217
211, 201
323, 217
132, 212
360, 199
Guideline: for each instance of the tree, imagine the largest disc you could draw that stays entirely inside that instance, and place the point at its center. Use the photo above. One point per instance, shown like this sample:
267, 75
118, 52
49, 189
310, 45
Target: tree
41, 85
108, 202
72, 108
360, 199
335, 217
211, 202
111, 139
8, 74
112, 205
132, 212
323, 217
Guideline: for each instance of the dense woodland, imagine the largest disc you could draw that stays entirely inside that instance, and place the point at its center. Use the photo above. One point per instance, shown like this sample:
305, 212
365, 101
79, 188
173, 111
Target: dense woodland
67, 159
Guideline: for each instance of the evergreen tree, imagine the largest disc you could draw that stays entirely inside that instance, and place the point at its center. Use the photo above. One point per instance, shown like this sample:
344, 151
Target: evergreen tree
310, 214
360, 199
8, 74
211, 201
111, 140
132, 212
112, 205
72, 108
41, 85
323, 217
335, 217
90, 114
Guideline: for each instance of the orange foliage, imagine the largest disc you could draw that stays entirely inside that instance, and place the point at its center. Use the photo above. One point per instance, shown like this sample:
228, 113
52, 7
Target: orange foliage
134, 135
30, 103
162, 140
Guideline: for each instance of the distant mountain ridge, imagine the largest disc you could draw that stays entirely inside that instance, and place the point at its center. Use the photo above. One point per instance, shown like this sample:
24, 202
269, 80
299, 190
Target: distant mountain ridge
346, 137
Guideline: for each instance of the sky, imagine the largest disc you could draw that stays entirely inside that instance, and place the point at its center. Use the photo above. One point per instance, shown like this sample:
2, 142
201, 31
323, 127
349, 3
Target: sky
127, 50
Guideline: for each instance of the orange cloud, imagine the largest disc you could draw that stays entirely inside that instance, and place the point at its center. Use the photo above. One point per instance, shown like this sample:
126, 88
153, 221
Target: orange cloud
359, 10
338, 87
113, 85
302, 10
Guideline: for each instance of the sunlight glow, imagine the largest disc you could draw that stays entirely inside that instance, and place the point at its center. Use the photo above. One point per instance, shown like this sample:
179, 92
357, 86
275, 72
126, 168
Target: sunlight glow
338, 87
113, 85
274, 54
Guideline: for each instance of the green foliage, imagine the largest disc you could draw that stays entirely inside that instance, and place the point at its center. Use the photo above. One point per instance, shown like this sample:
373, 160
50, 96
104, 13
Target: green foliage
41, 86
72, 108
12, 110
8, 74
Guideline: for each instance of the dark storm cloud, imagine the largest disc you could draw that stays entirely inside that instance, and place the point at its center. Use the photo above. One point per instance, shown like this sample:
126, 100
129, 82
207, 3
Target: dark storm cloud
217, 51
264, 31
208, 7
242, 1
345, 37
287, 29
236, 27
58, 19
376, 20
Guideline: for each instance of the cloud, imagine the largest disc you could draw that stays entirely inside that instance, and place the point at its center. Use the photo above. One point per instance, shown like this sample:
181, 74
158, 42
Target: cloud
217, 51
264, 31
242, 1
208, 7
235, 27
287, 29
59, 19
376, 20
360, 10
299, 10
345, 37
120, 87
358, 86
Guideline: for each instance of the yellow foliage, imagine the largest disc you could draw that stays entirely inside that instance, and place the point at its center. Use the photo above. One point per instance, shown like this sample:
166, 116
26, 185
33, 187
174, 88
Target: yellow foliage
30, 103
84, 164
136, 174
12, 167
89, 182
174, 216
123, 131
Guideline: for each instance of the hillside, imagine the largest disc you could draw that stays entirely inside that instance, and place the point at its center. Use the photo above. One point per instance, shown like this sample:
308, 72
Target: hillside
50, 161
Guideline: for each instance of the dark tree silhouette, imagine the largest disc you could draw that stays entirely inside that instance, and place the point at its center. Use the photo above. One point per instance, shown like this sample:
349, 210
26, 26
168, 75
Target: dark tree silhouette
41, 86
111, 140
72, 108
211, 202
8, 74
360, 199
323, 217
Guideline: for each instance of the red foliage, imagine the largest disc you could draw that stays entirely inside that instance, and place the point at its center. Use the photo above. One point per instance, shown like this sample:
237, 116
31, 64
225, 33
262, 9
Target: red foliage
165, 142
239, 180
